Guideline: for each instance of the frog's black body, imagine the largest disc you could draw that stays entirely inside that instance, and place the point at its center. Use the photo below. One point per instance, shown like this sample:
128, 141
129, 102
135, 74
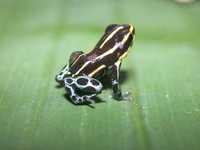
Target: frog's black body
106, 56
91, 60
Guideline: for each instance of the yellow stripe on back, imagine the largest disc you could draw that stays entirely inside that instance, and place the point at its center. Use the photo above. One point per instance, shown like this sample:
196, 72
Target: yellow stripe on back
96, 70
114, 48
111, 35
83, 66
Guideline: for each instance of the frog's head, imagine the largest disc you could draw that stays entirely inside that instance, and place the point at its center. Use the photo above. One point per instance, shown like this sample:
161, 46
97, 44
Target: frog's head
116, 33
65, 72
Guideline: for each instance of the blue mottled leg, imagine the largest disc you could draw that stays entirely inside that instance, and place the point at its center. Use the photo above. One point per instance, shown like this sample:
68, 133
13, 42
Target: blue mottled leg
74, 96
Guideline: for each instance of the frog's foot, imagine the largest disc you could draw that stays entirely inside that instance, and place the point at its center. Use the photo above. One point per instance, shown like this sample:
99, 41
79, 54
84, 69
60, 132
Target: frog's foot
127, 96
82, 99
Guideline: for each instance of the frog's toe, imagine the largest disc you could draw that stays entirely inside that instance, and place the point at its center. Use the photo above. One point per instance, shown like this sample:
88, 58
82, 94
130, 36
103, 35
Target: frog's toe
88, 98
82, 99
75, 99
127, 96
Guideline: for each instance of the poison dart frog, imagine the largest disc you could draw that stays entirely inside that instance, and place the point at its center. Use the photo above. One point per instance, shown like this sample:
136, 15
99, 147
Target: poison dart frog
82, 76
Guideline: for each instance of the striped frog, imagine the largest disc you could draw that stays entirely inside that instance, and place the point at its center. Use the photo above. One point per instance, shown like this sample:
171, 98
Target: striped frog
81, 76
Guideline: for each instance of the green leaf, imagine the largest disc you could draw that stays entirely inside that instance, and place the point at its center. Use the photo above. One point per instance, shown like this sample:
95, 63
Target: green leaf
161, 70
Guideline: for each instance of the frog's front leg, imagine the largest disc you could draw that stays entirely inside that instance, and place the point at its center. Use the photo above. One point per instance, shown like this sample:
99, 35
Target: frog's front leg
60, 76
117, 94
81, 89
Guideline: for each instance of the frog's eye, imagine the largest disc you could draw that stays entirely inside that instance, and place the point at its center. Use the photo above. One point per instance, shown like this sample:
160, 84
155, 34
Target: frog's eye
110, 28
74, 56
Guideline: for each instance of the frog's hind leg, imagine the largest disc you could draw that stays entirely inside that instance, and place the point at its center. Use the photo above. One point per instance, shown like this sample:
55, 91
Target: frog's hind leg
82, 89
73, 94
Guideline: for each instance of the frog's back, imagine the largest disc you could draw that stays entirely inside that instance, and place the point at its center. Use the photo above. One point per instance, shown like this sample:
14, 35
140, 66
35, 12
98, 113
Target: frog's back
111, 48
87, 65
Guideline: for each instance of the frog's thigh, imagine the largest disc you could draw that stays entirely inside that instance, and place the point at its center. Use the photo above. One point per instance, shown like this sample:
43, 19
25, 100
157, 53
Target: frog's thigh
70, 91
76, 99
115, 79
88, 85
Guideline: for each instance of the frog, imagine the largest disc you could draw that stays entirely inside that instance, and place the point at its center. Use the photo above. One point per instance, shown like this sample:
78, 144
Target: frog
82, 75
